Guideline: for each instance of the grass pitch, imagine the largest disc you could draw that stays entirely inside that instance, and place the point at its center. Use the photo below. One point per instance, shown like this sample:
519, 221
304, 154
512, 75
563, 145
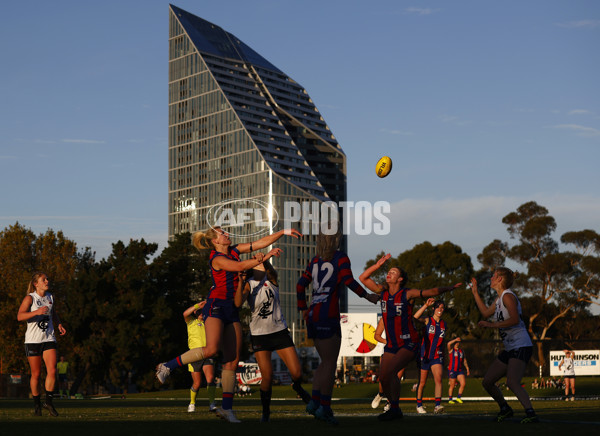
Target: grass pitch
165, 412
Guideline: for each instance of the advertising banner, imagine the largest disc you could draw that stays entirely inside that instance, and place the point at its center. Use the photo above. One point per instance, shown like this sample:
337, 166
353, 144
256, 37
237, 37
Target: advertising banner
587, 362
248, 373
358, 330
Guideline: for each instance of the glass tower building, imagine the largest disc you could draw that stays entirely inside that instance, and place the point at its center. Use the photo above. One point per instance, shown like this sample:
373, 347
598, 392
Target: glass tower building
243, 133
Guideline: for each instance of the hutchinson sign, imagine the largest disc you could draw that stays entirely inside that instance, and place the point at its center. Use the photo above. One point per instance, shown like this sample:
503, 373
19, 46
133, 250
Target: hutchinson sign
587, 362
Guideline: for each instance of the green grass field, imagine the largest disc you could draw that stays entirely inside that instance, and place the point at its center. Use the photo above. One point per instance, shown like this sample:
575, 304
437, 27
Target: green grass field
165, 412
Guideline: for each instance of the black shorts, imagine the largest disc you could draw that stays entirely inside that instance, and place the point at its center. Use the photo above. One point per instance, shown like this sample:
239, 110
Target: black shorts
33, 350
569, 376
323, 329
523, 353
62, 378
272, 342
197, 366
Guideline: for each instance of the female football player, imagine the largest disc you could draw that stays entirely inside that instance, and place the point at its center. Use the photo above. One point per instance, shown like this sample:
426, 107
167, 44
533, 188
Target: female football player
197, 338
328, 271
456, 370
221, 317
401, 335
569, 373
512, 361
39, 311
431, 355
268, 330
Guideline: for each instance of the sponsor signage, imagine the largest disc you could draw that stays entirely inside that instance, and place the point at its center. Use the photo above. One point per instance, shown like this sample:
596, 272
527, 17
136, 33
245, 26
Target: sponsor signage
248, 373
587, 362
358, 338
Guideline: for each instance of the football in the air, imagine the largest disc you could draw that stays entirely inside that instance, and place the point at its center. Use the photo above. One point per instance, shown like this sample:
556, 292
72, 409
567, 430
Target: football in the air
384, 166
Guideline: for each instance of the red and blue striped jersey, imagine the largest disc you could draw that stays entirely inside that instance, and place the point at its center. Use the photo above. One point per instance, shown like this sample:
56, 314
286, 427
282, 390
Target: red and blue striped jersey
327, 278
433, 338
224, 282
457, 358
397, 314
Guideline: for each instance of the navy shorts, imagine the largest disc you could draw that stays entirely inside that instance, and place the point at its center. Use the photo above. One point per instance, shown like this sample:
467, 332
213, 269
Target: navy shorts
197, 366
323, 329
33, 350
408, 345
454, 374
224, 310
272, 342
523, 353
426, 364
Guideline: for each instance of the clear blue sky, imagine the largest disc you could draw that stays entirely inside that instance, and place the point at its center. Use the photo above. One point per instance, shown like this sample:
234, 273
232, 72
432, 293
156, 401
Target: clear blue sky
481, 105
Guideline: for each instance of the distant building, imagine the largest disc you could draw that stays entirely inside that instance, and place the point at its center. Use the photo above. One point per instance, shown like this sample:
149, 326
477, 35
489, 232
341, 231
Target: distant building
240, 128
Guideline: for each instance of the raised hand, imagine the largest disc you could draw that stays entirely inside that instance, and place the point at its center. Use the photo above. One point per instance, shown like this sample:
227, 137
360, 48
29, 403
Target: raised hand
292, 232
474, 285
275, 252
383, 260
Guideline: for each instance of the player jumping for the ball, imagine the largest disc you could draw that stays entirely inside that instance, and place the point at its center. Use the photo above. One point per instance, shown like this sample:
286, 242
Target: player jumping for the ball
402, 337
221, 317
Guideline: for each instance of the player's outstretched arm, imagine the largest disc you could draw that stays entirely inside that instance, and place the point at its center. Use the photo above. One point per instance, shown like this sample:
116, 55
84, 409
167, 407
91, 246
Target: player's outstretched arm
365, 277
419, 313
451, 343
247, 247
433, 292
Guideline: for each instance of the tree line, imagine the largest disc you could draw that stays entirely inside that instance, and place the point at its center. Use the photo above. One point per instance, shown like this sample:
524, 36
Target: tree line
123, 313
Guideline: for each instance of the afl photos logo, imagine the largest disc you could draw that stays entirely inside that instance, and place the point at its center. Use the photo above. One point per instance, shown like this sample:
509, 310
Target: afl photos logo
243, 217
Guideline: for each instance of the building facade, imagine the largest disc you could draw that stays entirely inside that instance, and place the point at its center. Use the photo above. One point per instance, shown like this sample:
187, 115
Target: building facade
242, 134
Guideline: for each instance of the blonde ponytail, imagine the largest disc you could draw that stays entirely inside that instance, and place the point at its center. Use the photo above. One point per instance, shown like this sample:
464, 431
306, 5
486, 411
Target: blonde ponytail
203, 240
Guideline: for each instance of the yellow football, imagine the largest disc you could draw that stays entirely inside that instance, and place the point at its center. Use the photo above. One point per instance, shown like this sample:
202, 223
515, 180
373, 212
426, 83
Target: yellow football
383, 167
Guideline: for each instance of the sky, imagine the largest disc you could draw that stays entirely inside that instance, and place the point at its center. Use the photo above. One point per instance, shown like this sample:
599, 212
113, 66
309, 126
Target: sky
482, 106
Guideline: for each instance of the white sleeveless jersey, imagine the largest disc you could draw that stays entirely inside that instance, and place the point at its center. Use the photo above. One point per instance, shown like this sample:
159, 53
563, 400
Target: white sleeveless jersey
266, 309
516, 336
40, 328
568, 366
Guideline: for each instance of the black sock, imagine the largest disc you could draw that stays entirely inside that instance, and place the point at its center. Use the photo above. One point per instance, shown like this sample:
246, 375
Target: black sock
504, 407
529, 412
297, 387
49, 397
265, 399
36, 400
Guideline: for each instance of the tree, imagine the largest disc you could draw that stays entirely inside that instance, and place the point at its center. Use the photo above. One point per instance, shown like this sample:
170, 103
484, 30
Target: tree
22, 253
131, 315
122, 318
561, 281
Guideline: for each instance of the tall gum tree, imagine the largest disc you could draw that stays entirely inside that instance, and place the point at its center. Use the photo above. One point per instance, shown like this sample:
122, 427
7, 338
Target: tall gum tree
559, 282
